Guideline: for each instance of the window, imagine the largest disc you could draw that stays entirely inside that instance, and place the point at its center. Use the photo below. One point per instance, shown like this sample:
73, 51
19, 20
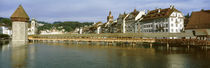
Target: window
176, 25
166, 30
172, 30
171, 19
172, 25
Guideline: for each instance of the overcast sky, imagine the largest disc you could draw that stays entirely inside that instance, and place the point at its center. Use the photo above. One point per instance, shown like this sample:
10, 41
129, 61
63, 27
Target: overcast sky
92, 10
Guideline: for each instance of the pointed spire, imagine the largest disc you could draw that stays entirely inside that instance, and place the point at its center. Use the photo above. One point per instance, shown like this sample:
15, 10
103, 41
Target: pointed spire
20, 15
110, 13
110, 17
124, 13
135, 10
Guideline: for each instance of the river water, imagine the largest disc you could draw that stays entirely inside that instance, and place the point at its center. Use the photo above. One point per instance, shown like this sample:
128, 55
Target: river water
79, 55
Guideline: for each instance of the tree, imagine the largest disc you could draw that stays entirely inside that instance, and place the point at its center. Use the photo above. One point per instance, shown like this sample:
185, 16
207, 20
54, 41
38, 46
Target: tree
68, 26
186, 20
187, 16
6, 22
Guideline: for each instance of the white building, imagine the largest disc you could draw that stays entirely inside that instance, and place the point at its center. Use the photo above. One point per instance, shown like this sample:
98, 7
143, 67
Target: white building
78, 31
5, 30
129, 26
32, 30
168, 20
54, 30
127, 22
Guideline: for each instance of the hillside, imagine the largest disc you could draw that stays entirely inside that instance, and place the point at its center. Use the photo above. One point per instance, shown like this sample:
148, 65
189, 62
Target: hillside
67, 25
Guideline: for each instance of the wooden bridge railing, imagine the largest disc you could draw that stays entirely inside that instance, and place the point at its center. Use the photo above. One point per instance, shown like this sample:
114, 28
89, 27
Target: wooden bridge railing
118, 38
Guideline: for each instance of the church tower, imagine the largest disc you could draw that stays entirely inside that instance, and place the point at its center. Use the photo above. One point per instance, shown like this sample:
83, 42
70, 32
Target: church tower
110, 17
19, 25
33, 26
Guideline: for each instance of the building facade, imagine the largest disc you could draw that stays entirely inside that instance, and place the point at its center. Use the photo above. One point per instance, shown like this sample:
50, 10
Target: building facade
106, 27
130, 21
32, 30
54, 30
199, 24
168, 20
5, 30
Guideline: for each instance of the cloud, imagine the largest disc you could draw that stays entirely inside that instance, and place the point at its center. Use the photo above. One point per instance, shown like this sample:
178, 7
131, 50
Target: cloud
92, 10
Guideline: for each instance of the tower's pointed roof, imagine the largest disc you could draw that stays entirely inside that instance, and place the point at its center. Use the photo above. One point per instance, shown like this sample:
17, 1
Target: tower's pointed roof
19, 13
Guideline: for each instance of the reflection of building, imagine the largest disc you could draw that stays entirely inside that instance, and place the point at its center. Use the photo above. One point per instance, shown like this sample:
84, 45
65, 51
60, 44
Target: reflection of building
199, 24
18, 56
5, 30
163, 20
132, 57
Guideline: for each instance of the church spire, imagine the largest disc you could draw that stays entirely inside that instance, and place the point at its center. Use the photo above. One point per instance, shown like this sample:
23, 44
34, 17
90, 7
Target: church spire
110, 13
135, 10
110, 17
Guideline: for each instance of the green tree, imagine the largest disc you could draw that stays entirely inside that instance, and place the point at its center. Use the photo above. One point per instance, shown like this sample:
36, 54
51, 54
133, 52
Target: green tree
6, 22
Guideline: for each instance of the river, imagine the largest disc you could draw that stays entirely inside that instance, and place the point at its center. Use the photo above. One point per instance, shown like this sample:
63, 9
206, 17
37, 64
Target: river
82, 55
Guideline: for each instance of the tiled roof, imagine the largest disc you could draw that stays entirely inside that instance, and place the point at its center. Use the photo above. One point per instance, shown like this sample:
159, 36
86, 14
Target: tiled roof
97, 24
122, 16
159, 13
20, 15
133, 14
199, 20
20, 12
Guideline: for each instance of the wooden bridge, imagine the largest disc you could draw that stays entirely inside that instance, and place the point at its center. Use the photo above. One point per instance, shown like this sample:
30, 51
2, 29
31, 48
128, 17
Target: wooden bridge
118, 38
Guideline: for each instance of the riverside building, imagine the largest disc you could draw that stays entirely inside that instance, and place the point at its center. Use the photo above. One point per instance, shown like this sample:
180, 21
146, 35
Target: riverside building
169, 20
199, 24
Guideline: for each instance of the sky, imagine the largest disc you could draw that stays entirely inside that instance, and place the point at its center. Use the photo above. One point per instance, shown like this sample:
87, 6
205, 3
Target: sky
92, 10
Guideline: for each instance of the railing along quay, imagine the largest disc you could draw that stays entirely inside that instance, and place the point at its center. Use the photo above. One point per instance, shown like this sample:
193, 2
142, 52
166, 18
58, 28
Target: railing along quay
118, 39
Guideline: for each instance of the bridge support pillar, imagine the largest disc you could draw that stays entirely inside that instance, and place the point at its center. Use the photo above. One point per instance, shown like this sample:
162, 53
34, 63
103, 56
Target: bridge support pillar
168, 46
150, 45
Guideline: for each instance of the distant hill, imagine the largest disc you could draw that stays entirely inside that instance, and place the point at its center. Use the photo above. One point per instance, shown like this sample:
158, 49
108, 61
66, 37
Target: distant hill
67, 25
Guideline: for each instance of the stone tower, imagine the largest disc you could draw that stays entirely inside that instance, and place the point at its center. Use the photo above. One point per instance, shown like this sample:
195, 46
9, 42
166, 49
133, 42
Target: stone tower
19, 25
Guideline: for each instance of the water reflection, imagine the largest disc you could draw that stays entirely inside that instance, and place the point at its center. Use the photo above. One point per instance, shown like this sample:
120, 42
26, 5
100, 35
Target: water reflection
14, 55
96, 55
19, 56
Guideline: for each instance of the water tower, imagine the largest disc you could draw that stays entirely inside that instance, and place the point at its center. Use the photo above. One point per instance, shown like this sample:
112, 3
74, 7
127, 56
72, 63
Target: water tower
19, 25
